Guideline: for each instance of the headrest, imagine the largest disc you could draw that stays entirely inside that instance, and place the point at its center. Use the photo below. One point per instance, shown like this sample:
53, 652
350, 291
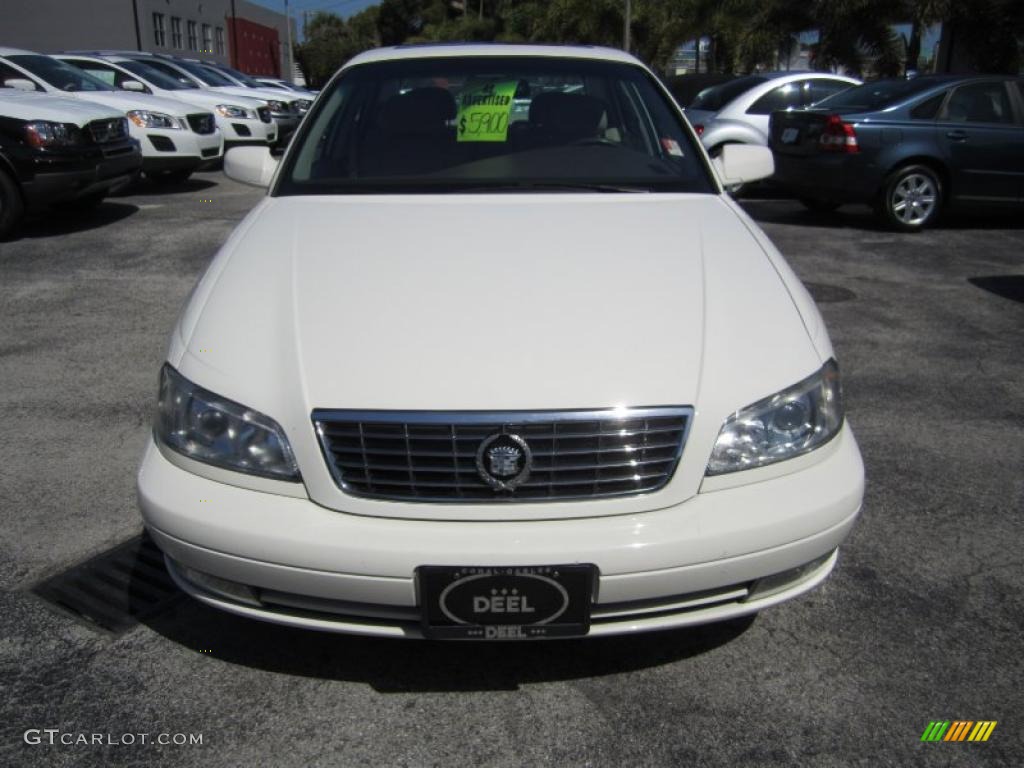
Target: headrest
414, 110
573, 113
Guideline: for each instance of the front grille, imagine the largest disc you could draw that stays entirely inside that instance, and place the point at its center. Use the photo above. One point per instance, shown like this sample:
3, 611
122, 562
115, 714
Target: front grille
202, 123
264, 113
106, 131
433, 456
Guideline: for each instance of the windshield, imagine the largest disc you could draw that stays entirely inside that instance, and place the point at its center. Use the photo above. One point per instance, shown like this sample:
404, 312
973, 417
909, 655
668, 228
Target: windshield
59, 74
155, 76
493, 123
717, 96
204, 74
241, 77
874, 96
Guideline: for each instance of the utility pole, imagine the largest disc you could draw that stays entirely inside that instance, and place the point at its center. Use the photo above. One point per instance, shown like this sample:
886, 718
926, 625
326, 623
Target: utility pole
481, 9
627, 25
288, 32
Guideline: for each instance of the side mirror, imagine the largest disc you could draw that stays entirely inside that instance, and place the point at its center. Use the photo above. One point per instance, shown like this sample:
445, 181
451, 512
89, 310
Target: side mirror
250, 165
20, 84
743, 163
133, 85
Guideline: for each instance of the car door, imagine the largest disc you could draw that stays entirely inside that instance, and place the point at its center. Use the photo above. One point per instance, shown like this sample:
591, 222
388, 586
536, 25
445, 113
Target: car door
785, 96
982, 142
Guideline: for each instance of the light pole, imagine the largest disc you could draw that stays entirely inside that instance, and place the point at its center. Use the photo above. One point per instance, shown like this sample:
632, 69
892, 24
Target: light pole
626, 26
288, 33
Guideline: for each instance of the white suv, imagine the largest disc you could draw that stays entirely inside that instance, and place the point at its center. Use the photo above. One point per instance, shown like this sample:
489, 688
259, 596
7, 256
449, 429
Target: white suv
242, 121
175, 140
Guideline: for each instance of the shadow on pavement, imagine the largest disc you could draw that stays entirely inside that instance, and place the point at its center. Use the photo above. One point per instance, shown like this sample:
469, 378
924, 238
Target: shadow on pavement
780, 210
400, 666
1008, 286
61, 221
146, 187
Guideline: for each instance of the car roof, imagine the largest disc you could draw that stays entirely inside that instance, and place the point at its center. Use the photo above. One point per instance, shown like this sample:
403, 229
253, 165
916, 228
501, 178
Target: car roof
14, 51
453, 50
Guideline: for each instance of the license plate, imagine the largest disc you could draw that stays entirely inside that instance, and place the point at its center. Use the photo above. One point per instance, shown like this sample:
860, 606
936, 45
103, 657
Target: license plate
790, 135
505, 603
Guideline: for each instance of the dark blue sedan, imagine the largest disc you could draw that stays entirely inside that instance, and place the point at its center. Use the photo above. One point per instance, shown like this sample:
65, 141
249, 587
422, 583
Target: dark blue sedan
911, 148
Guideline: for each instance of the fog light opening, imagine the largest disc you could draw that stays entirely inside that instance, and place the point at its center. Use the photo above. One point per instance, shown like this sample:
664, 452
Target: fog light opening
787, 579
221, 587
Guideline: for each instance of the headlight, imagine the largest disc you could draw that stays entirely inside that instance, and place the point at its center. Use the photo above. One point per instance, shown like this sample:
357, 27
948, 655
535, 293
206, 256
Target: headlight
229, 110
42, 134
146, 119
790, 423
211, 429
277, 106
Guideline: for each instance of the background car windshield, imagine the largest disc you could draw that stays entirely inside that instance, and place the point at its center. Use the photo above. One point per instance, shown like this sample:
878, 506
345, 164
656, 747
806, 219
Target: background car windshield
473, 123
717, 96
873, 96
241, 77
204, 74
58, 74
156, 77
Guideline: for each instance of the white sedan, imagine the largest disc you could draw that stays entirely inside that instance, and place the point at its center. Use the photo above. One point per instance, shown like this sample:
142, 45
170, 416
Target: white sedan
470, 374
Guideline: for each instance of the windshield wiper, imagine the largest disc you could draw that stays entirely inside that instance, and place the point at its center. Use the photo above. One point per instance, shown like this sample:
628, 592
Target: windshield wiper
529, 186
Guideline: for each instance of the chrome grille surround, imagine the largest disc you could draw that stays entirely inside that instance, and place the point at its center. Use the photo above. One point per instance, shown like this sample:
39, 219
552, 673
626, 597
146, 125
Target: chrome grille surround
430, 456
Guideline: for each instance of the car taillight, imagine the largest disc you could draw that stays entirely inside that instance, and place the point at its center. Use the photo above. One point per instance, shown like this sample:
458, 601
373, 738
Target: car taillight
699, 128
839, 136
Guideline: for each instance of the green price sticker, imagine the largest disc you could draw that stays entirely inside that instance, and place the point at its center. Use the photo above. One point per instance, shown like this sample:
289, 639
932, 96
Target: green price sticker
484, 111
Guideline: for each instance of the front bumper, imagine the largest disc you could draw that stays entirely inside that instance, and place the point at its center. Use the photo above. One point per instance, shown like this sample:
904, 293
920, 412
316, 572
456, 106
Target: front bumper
239, 133
173, 150
692, 563
64, 177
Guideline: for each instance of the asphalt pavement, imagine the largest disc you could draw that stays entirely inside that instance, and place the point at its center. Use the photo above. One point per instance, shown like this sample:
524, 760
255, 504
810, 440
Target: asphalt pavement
923, 619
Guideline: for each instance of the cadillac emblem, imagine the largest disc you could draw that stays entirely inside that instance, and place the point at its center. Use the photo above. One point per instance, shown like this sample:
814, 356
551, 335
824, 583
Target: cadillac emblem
503, 461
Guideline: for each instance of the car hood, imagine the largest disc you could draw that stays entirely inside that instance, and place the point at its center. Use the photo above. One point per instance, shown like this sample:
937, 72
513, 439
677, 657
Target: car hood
208, 99
24, 105
241, 90
126, 102
493, 302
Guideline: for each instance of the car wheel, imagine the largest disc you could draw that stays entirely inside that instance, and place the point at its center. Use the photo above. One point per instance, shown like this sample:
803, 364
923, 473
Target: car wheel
11, 206
911, 198
169, 177
818, 206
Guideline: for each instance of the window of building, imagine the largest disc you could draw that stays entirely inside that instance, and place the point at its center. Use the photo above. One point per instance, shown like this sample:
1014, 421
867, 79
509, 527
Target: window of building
159, 33
220, 41
175, 32
207, 39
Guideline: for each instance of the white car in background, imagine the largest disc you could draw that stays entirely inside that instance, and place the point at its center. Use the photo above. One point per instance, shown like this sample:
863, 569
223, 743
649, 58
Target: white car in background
274, 82
242, 120
460, 375
300, 102
282, 109
174, 140
738, 111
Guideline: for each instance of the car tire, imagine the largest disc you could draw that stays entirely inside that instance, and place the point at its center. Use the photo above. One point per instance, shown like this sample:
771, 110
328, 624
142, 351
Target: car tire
169, 177
911, 198
11, 205
817, 205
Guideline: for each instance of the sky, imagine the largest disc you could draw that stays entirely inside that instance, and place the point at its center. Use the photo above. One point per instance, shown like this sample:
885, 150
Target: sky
343, 8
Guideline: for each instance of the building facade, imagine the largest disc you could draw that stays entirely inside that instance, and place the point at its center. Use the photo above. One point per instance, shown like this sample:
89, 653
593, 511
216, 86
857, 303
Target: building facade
242, 34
